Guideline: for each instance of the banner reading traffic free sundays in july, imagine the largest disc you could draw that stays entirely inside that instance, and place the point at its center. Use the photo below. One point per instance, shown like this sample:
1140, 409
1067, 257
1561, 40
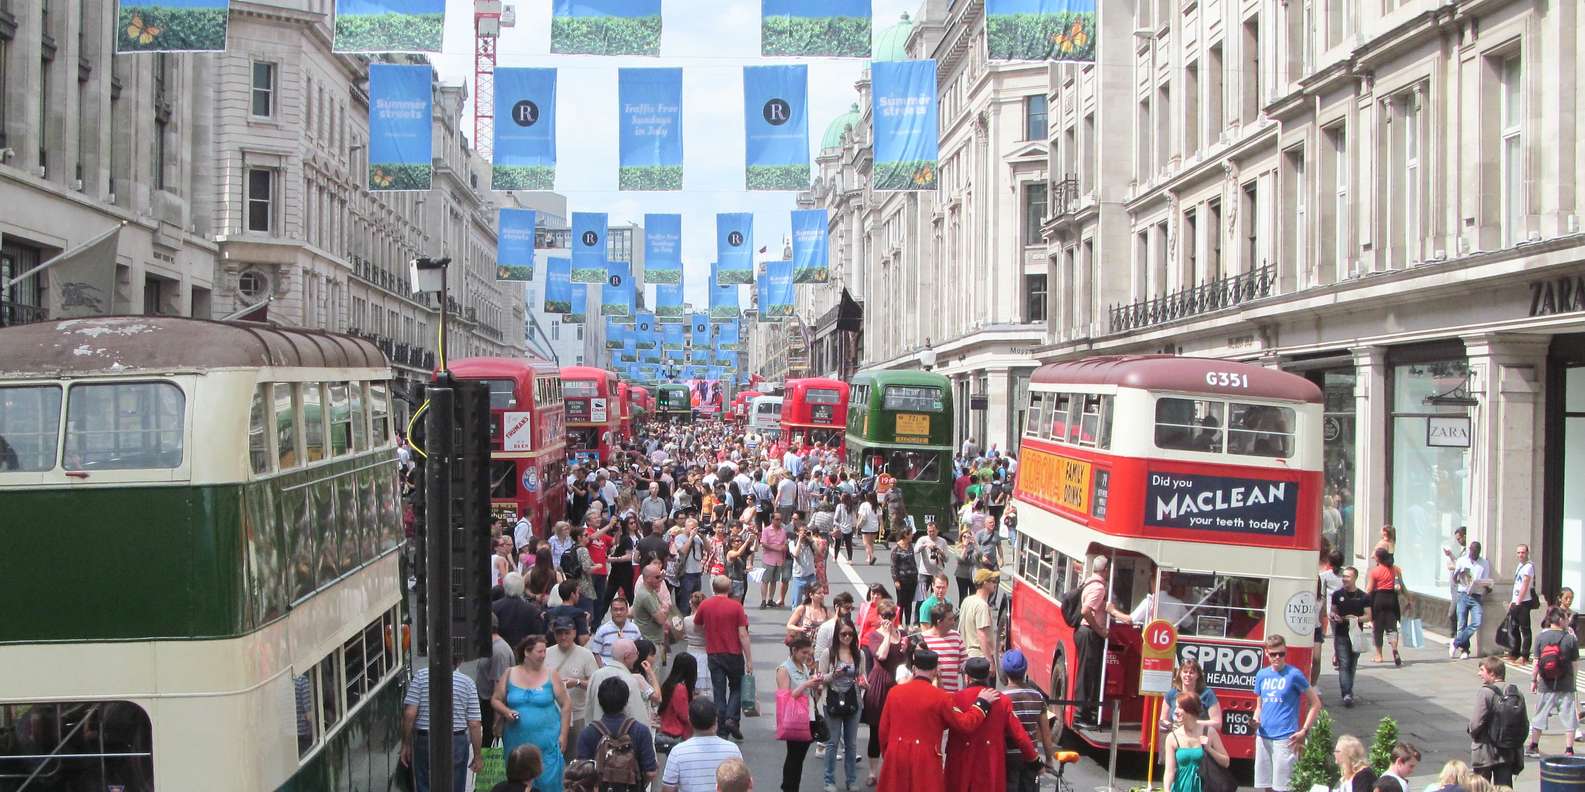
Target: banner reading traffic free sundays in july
723, 299
588, 247
558, 286
905, 124
616, 297
605, 27
818, 28
644, 330
172, 25
777, 296
524, 155
776, 127
389, 25
615, 333
810, 248
580, 303
734, 248
649, 120
668, 302
1040, 30
663, 248
514, 245
400, 127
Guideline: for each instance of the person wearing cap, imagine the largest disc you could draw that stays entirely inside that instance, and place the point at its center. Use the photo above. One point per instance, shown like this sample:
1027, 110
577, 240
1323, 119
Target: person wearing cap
974, 615
575, 663
1029, 707
976, 760
915, 716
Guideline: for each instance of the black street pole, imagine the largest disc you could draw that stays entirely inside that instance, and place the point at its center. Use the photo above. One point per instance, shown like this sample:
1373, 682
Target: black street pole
437, 538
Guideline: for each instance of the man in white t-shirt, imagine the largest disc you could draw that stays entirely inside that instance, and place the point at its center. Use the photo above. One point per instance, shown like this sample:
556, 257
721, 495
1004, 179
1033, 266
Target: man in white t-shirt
691, 765
522, 532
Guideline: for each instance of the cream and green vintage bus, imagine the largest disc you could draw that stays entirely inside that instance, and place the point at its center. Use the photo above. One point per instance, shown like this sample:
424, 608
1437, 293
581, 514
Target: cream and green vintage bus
199, 530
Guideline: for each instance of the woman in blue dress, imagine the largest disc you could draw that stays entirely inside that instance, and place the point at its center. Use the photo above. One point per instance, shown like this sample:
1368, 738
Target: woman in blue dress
534, 708
1189, 745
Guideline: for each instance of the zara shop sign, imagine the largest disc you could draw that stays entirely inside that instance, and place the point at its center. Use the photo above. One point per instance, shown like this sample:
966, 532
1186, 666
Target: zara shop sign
1565, 294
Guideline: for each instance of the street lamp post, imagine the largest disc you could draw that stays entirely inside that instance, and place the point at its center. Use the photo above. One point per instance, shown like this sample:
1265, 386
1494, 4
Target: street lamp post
927, 356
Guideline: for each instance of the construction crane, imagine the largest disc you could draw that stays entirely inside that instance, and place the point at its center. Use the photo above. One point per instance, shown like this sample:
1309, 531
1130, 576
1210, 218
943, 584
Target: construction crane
489, 16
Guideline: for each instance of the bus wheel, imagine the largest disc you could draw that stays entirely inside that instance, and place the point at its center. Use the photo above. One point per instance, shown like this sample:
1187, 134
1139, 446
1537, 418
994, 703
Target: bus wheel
1058, 690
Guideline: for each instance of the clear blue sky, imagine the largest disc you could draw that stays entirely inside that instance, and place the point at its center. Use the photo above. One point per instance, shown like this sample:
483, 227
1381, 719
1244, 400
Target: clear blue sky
711, 40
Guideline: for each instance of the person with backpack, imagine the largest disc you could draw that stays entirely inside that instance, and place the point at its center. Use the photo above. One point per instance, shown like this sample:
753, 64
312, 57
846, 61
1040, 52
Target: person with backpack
1498, 727
1556, 650
622, 749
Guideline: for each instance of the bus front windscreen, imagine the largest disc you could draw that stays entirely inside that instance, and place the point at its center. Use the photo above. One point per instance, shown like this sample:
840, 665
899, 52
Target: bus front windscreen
580, 388
823, 396
916, 398
674, 400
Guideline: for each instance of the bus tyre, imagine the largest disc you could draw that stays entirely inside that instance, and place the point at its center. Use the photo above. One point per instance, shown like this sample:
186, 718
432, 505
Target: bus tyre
1059, 690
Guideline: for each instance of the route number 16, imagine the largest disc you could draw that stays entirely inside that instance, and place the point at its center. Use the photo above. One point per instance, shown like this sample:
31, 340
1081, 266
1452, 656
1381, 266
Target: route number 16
1159, 636
1226, 379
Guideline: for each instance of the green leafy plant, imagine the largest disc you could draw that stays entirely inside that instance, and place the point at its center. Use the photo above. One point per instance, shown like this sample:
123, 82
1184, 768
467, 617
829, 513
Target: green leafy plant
905, 175
811, 275
558, 306
724, 313
663, 275
613, 309
588, 275
668, 312
649, 177
778, 177
575, 318
400, 176
150, 28
1381, 747
597, 35
1315, 765
389, 32
835, 37
1066, 35
734, 277
522, 177
508, 272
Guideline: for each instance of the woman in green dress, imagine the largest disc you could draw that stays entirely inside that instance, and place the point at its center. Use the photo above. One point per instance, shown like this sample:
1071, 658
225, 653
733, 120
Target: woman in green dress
1188, 745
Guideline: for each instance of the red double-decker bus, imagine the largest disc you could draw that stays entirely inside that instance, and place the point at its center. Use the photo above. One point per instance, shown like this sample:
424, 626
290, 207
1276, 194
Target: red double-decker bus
1200, 481
814, 410
624, 395
594, 413
740, 403
643, 405
528, 441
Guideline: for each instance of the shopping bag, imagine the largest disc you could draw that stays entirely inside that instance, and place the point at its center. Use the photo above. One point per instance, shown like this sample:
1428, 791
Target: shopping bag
756, 575
792, 716
750, 706
1358, 638
1413, 633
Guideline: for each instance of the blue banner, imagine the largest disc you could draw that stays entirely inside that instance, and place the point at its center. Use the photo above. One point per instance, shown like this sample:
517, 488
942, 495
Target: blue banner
811, 246
713, 373
815, 28
524, 153
905, 124
558, 286
677, 355
1040, 30
649, 120
699, 354
663, 248
401, 113
616, 297
699, 328
514, 245
615, 333
580, 303
727, 339
651, 355
672, 335
629, 352
668, 302
776, 127
723, 299
605, 27
644, 330
588, 247
734, 248
387, 25
172, 25
776, 299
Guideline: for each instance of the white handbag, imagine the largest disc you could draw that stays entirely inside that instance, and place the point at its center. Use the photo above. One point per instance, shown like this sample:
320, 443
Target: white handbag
1358, 639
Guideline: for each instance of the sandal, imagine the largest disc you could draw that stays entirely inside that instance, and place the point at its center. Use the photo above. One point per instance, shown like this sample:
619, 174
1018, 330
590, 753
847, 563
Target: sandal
1396, 660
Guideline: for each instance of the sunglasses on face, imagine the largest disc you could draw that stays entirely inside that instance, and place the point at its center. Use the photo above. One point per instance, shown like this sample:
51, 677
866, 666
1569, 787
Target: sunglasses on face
1276, 654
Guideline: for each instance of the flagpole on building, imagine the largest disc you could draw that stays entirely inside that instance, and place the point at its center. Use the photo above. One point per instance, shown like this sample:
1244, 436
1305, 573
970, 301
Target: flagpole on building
62, 256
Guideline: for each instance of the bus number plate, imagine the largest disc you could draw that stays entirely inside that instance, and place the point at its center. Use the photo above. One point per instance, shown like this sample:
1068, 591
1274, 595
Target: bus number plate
913, 424
1237, 724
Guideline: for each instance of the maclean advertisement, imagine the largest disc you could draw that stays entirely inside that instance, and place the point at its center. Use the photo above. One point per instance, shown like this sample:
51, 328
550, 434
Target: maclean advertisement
1221, 503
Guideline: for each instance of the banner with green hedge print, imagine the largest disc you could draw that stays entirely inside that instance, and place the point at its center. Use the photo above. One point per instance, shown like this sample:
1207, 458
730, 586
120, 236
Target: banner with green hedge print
589, 246
401, 153
668, 302
171, 25
616, 297
734, 248
1039, 30
605, 27
906, 142
815, 28
514, 244
389, 25
776, 127
524, 154
649, 126
663, 248
580, 303
558, 286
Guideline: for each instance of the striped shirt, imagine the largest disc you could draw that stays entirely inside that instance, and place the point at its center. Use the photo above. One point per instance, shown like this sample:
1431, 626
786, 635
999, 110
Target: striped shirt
949, 648
691, 765
464, 700
1029, 705
609, 634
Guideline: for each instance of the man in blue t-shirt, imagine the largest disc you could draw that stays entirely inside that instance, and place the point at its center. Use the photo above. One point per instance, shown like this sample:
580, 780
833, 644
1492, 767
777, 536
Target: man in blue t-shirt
1279, 690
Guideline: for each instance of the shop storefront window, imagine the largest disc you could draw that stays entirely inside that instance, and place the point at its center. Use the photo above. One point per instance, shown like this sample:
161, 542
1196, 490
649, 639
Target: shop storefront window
1337, 516
1430, 483
1572, 572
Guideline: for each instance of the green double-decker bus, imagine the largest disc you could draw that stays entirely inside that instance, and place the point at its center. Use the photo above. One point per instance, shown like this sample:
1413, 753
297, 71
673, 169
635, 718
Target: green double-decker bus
900, 424
674, 401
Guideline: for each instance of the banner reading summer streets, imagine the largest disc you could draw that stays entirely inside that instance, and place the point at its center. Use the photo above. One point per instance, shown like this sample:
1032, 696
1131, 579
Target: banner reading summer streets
819, 28
905, 124
663, 248
558, 286
668, 302
723, 299
605, 27
1040, 30
400, 127
524, 156
389, 25
588, 247
616, 297
172, 25
776, 293
734, 248
672, 336
810, 246
514, 245
580, 303
776, 127
649, 113
615, 333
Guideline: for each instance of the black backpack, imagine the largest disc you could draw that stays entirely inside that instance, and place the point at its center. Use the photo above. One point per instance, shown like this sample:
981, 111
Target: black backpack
1072, 603
571, 566
1509, 725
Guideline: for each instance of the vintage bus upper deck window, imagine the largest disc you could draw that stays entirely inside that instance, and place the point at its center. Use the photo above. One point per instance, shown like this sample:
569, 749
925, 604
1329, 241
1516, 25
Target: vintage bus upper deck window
580, 389
502, 394
919, 398
30, 425
360, 427
124, 426
1202, 425
822, 396
286, 455
380, 413
340, 420
313, 423
258, 430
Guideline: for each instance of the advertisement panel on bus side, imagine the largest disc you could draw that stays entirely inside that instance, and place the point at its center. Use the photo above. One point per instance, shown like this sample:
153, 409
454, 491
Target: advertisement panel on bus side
1221, 503
1066, 482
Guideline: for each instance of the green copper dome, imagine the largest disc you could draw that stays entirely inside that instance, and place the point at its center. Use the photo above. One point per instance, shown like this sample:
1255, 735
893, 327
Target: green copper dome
891, 44
839, 125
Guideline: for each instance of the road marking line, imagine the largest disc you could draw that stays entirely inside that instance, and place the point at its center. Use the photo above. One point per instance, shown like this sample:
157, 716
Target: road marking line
862, 588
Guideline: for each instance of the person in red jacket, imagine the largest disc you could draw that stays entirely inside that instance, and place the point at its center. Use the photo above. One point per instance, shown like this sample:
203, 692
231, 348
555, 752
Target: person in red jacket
977, 760
915, 715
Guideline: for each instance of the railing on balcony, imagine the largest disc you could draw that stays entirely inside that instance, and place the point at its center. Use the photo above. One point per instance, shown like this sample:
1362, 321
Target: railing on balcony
13, 313
1194, 301
1065, 195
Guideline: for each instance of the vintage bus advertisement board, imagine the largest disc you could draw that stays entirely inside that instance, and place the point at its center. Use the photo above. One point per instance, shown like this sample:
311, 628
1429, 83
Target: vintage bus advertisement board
815, 410
900, 422
528, 436
593, 413
1200, 481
